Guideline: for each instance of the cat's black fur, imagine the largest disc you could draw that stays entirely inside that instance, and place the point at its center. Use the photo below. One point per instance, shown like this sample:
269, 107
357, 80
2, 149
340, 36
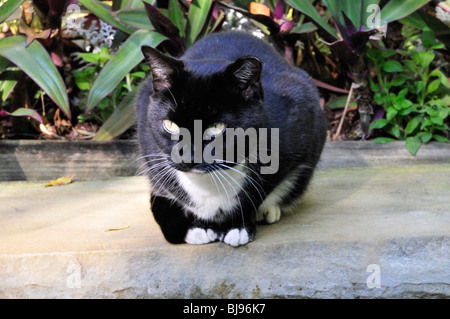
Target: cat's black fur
242, 81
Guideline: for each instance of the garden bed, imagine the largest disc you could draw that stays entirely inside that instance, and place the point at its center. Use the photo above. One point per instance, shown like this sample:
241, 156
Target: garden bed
394, 66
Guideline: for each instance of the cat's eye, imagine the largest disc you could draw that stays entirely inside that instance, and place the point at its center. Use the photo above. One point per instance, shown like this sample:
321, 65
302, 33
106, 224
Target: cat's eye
216, 129
171, 127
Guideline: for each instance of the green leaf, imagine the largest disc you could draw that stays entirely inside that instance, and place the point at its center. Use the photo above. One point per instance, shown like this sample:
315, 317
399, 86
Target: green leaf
137, 18
120, 120
437, 120
304, 28
395, 131
409, 109
425, 136
400, 102
414, 20
373, 87
441, 76
352, 10
413, 144
6, 88
339, 102
392, 66
383, 140
426, 123
3, 63
388, 53
37, 64
391, 113
305, 7
431, 111
8, 8
443, 113
380, 98
198, 14
176, 16
378, 124
133, 4
26, 113
84, 77
428, 38
403, 92
411, 66
399, 80
373, 54
127, 57
8, 80
413, 124
420, 86
97, 8
441, 138
433, 86
103, 55
90, 57
398, 9
423, 58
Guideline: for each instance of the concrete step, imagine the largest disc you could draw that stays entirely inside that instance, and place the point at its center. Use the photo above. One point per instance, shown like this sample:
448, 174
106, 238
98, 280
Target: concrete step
45, 160
360, 233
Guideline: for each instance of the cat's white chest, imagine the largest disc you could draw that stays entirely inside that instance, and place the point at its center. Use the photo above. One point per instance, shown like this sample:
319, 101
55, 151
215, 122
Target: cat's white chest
212, 193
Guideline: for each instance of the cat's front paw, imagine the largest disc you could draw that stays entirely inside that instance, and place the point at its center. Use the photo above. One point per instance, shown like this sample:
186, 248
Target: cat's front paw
269, 214
200, 236
236, 237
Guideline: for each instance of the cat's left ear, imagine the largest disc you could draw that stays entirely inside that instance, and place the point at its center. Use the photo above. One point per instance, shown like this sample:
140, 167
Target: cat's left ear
245, 73
163, 67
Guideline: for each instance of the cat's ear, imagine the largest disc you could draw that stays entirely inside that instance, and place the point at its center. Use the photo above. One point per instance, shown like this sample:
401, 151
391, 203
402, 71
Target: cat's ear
163, 67
245, 73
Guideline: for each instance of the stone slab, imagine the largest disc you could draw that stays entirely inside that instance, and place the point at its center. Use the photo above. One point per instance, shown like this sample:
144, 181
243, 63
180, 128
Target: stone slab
355, 226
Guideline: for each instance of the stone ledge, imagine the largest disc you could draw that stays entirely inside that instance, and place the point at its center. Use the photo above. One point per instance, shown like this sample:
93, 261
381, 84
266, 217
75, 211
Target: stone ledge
54, 243
46, 160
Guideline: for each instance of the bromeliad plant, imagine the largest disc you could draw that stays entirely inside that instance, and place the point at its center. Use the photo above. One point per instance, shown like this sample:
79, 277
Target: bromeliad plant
32, 49
413, 94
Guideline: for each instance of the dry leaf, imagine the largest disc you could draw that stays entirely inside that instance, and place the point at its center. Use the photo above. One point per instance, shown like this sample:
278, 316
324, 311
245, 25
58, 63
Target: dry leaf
117, 228
259, 8
61, 181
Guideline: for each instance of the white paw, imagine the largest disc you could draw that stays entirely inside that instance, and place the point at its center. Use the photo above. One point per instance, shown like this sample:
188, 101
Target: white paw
236, 237
270, 214
199, 236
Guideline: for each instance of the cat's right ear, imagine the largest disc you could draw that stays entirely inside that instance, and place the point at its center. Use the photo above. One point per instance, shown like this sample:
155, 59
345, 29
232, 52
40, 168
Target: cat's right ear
245, 73
163, 67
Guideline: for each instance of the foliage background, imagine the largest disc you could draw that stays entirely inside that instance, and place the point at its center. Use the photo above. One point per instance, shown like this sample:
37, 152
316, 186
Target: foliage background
70, 69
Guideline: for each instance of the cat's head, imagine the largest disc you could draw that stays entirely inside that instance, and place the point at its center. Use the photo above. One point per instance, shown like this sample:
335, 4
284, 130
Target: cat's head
198, 97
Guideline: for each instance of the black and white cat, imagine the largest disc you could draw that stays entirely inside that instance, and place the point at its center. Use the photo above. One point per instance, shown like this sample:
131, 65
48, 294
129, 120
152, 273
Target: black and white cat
226, 81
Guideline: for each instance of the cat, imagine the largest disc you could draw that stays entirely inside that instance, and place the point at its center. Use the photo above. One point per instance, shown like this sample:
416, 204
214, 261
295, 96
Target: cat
226, 80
